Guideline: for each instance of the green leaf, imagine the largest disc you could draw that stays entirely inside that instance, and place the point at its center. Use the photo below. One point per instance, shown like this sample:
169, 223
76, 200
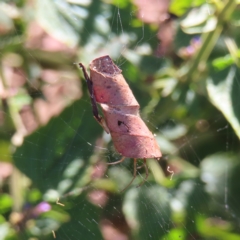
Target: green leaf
148, 64
209, 26
6, 232
174, 130
196, 16
220, 172
199, 20
176, 233
48, 15
5, 203
48, 155
34, 196
213, 229
120, 175
167, 147
179, 7
214, 171
147, 211
85, 218
223, 91
223, 62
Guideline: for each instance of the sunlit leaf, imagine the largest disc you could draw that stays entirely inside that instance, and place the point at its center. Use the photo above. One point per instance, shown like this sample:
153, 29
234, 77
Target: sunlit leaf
53, 22
223, 62
5, 203
223, 90
196, 16
180, 7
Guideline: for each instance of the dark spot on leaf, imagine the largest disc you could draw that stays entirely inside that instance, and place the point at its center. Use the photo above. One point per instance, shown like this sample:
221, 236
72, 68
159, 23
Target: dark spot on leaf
119, 123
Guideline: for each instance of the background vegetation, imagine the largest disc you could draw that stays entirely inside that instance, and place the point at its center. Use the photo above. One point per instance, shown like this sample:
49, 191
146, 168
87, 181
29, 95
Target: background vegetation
181, 59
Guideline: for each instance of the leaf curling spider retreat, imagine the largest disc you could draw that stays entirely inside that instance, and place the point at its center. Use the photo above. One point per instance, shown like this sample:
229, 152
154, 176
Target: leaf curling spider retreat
130, 135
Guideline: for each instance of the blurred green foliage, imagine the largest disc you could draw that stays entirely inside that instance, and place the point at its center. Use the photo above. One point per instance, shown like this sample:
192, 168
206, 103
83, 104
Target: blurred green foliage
188, 88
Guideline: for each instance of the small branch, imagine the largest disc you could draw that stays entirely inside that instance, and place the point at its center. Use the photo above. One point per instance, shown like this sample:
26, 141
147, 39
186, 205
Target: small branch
209, 40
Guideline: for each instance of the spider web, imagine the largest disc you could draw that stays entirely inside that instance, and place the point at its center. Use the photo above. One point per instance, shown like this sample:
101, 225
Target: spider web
189, 193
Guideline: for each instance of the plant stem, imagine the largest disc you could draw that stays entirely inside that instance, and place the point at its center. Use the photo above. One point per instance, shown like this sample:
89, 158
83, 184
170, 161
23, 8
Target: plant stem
210, 39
